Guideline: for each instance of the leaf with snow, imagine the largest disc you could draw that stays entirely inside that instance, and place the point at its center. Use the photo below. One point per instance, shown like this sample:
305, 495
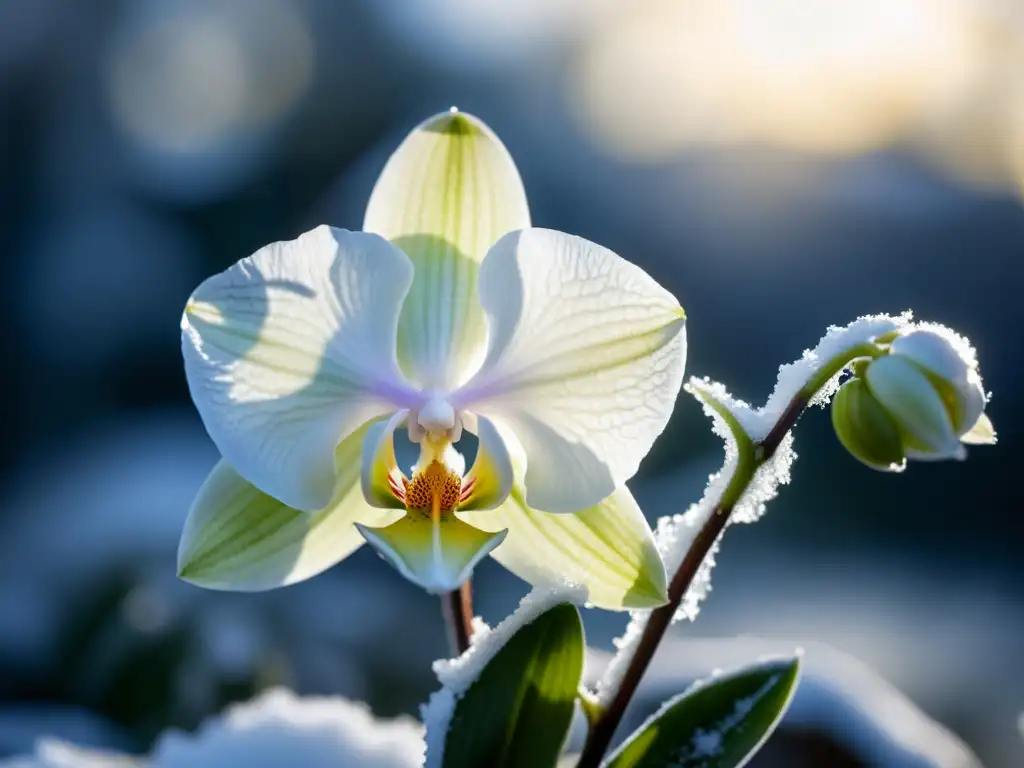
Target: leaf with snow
720, 722
509, 700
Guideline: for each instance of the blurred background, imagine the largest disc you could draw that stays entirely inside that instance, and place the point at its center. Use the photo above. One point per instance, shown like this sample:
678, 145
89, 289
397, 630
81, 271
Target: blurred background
780, 165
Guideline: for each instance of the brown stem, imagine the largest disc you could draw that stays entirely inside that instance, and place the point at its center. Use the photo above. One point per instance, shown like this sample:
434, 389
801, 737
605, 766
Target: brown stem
601, 734
457, 607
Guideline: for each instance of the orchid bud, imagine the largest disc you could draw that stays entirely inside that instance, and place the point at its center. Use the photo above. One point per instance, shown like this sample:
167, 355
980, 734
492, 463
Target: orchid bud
926, 392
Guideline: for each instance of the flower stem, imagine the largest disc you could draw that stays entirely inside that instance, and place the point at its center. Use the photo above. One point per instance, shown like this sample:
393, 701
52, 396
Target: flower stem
752, 456
457, 607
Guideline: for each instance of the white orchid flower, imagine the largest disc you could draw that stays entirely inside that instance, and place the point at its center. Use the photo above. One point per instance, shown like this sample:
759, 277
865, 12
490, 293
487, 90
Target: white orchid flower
447, 314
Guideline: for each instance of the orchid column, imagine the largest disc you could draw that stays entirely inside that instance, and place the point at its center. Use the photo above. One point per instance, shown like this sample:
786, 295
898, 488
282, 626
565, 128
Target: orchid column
447, 314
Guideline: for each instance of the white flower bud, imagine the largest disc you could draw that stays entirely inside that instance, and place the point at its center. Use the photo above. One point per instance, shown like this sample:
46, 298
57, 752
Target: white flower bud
914, 403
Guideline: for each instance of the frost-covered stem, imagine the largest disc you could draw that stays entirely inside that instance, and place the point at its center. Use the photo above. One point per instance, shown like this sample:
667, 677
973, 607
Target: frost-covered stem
457, 607
751, 456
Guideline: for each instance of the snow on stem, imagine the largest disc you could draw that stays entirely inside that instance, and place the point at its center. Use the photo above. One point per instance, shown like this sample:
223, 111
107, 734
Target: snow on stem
758, 457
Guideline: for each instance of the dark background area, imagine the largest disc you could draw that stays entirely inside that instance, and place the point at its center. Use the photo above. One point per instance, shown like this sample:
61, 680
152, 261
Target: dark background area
779, 167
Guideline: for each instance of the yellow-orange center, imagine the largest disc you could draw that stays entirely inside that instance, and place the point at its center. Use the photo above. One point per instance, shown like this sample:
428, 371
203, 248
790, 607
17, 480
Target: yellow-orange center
434, 490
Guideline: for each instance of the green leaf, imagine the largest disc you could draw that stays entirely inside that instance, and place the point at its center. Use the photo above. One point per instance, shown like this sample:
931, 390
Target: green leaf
518, 712
720, 722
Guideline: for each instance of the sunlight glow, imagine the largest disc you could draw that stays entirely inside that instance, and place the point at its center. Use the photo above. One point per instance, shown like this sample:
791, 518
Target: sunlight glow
823, 76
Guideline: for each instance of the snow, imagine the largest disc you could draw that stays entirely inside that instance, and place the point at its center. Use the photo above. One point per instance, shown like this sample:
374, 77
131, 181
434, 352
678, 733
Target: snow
675, 534
280, 729
837, 340
706, 743
58, 754
960, 344
458, 674
276, 730
709, 743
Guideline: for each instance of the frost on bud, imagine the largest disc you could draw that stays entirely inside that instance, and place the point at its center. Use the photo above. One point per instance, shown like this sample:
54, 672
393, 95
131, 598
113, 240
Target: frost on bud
927, 389
865, 428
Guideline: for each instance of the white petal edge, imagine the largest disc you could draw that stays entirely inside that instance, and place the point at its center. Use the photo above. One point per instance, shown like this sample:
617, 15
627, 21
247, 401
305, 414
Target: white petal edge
293, 348
608, 548
584, 364
379, 466
238, 538
446, 195
933, 352
970, 403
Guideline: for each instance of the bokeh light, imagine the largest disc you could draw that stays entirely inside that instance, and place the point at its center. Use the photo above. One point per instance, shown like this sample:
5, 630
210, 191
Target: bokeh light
197, 85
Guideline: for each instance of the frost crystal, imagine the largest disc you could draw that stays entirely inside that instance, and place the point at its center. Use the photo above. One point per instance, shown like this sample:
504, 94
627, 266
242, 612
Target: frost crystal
675, 533
794, 376
709, 743
458, 674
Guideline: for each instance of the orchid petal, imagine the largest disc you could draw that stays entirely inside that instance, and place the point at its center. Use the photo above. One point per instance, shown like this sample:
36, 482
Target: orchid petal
238, 538
292, 349
436, 553
491, 477
965, 400
584, 364
608, 548
910, 398
381, 476
445, 196
934, 353
982, 433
